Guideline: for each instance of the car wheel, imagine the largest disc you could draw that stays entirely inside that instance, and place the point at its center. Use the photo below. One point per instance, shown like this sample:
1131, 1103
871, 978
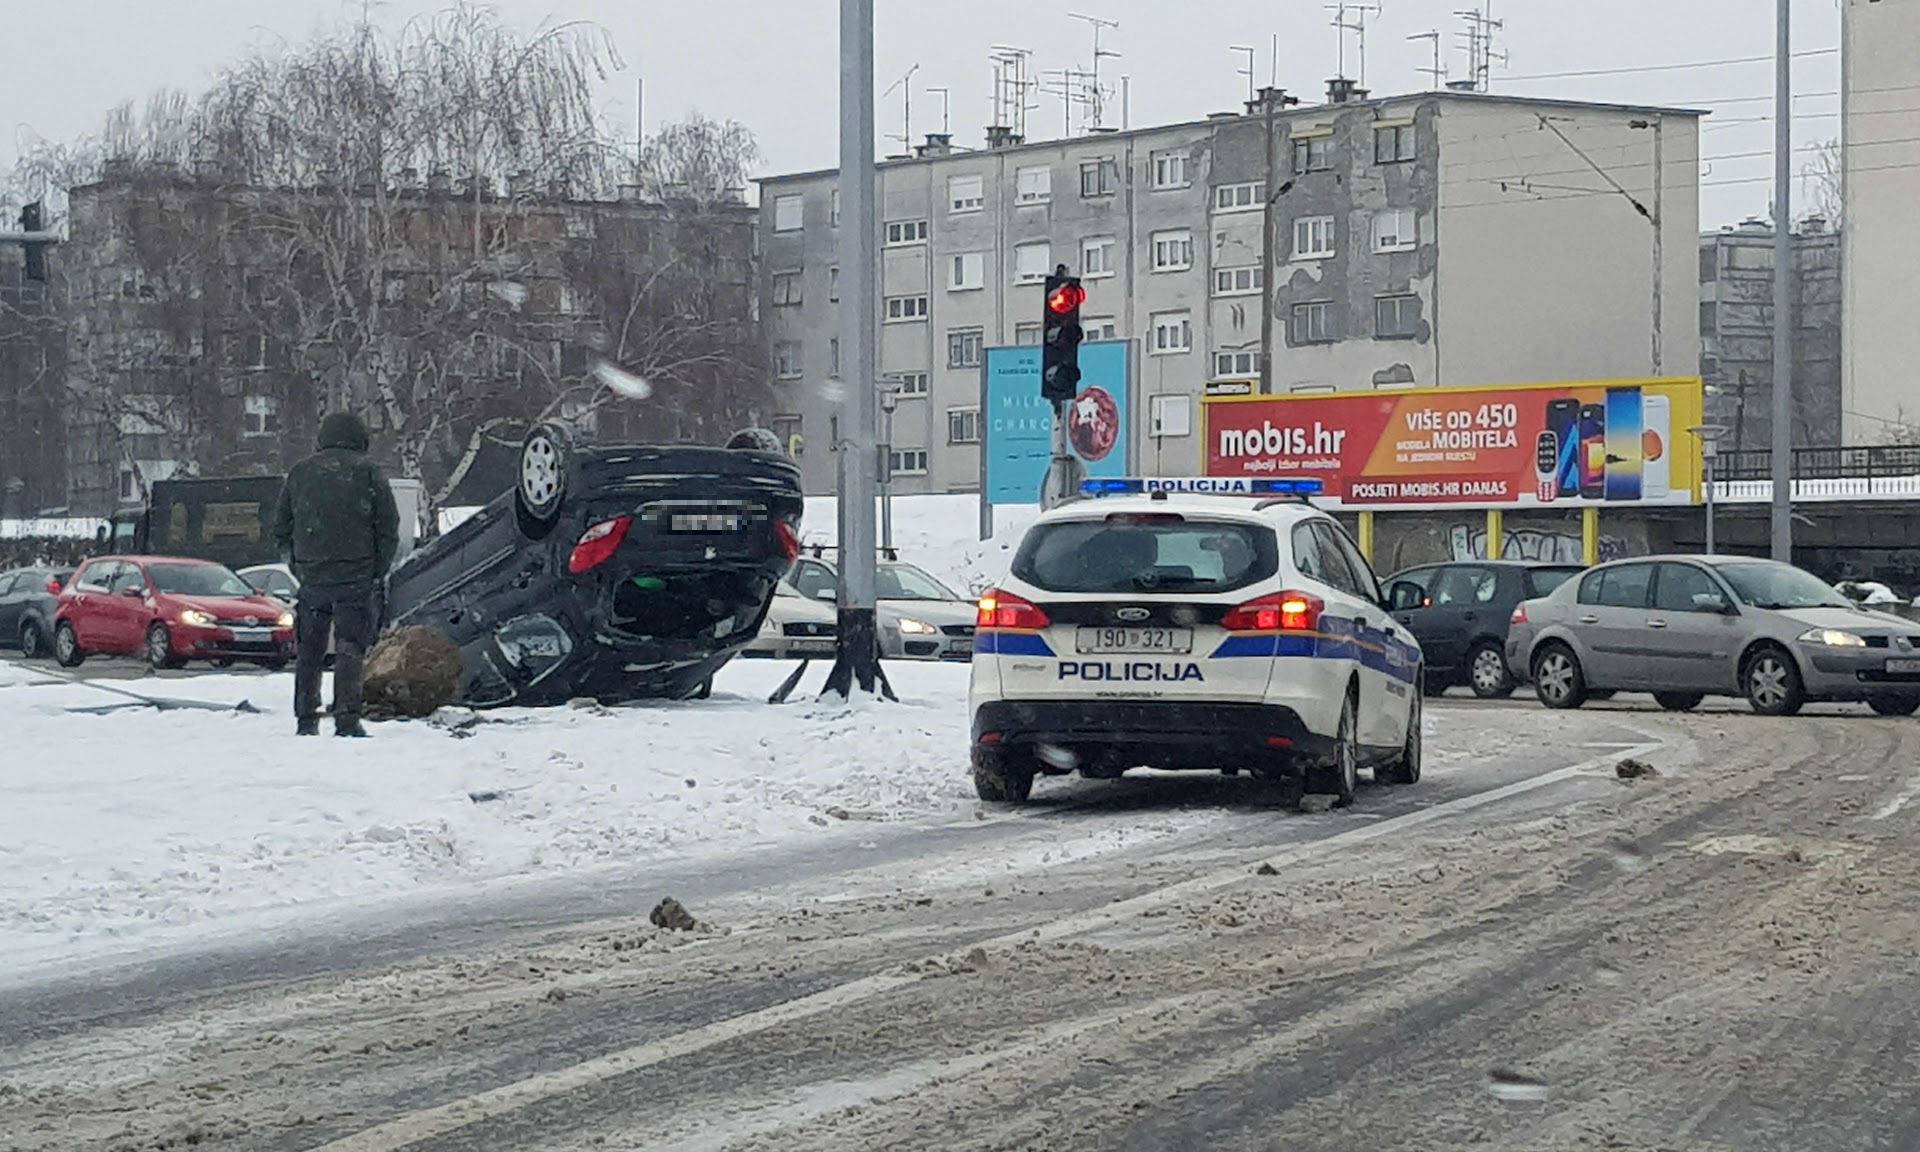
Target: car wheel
1433, 684
33, 645
66, 646
160, 648
274, 664
1895, 705
1557, 678
222, 661
1000, 777
1405, 768
1342, 777
1773, 683
1487, 672
1679, 701
543, 478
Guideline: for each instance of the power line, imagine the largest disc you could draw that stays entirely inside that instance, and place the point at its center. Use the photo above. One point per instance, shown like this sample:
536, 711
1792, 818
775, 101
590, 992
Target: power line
1732, 60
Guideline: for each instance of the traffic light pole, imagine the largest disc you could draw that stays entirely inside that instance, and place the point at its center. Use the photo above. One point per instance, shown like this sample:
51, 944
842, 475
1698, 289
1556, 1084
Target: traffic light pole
1060, 336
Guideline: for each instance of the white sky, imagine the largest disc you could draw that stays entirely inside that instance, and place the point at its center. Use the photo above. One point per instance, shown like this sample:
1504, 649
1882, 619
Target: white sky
772, 63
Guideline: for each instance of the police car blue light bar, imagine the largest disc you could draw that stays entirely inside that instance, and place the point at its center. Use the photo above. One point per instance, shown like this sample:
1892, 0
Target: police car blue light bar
1201, 485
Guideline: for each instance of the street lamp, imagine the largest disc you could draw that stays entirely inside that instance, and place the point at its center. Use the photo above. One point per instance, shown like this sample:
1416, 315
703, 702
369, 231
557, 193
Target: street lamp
1709, 436
889, 400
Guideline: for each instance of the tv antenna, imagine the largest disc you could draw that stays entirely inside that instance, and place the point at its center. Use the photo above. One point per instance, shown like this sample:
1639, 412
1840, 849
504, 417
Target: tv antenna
1480, 36
1012, 81
1358, 26
1438, 72
905, 86
1252, 54
1097, 103
946, 123
1071, 85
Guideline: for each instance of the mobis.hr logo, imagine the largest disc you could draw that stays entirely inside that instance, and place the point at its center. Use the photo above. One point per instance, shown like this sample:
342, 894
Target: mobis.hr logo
1273, 440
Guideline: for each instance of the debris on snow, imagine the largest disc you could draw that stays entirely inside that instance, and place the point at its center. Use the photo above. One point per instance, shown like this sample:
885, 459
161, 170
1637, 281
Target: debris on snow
411, 672
1266, 870
1631, 769
454, 718
1516, 1087
669, 914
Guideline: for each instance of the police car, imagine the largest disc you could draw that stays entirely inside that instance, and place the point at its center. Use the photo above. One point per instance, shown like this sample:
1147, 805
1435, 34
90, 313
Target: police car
1192, 624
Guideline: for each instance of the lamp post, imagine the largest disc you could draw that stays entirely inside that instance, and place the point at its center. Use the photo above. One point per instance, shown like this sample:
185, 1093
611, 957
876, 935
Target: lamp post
889, 400
1709, 436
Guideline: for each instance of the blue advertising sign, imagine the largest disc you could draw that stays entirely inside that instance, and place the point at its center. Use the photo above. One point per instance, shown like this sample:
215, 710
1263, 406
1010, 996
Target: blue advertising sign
1018, 423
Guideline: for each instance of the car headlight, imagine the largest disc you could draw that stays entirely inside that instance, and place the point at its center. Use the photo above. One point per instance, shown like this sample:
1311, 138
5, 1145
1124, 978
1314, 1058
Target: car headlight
1832, 638
195, 618
285, 621
911, 627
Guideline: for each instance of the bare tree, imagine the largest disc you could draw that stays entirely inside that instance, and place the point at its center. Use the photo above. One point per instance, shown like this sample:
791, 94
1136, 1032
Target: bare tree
1823, 175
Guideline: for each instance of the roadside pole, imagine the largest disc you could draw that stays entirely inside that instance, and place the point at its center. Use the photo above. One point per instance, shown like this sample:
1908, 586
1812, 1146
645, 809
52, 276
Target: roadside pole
1496, 533
1782, 471
1590, 535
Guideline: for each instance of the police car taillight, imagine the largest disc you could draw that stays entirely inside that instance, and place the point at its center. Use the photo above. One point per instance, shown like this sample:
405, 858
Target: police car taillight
1005, 610
1281, 612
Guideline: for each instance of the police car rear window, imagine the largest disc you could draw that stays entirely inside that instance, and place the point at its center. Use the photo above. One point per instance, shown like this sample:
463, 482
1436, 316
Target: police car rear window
1160, 552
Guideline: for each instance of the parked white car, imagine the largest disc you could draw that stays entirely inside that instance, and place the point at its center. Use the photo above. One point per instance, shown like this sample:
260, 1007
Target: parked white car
796, 628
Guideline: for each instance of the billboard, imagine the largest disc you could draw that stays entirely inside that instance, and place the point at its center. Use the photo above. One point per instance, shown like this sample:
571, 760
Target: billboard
1613, 442
1017, 423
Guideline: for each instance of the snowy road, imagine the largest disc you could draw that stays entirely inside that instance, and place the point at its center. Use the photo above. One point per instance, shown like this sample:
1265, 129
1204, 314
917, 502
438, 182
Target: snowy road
1718, 958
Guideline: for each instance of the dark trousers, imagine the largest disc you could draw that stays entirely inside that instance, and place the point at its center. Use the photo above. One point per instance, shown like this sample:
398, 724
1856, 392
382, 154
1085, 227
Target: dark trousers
348, 614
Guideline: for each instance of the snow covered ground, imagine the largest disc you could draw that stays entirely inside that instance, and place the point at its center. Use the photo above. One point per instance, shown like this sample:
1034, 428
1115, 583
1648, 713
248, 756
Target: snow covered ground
939, 533
133, 827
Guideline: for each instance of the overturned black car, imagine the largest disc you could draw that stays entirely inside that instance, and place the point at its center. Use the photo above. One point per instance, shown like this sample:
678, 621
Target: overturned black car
614, 571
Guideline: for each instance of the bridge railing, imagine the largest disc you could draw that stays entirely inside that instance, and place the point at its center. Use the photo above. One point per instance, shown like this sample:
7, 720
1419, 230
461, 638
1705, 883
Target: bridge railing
1876, 462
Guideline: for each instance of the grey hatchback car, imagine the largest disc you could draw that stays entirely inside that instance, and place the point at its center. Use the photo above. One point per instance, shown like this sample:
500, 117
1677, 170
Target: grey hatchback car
1688, 627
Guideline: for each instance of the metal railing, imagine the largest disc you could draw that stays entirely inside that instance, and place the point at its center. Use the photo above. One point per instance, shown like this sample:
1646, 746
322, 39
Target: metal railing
1858, 463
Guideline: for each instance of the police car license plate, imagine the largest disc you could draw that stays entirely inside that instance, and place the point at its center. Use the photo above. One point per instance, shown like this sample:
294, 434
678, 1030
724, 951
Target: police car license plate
1903, 667
1094, 641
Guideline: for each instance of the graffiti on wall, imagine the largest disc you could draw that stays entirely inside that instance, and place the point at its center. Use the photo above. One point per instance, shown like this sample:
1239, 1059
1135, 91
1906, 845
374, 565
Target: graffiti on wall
1469, 543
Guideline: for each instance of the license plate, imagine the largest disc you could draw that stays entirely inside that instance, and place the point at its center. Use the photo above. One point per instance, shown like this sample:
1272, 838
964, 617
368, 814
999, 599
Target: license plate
705, 522
961, 648
252, 635
1093, 641
811, 646
1903, 667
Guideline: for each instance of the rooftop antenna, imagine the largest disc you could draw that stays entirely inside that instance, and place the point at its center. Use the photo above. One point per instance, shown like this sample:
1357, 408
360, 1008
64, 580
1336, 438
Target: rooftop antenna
1098, 102
1358, 26
946, 124
905, 84
1012, 81
1273, 65
1438, 72
1482, 29
1070, 84
1252, 54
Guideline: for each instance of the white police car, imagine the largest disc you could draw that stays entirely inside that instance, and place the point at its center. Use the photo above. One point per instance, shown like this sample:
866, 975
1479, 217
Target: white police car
1192, 624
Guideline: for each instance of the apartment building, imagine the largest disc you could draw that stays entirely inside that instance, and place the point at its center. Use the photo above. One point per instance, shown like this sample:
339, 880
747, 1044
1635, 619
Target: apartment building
1880, 183
1436, 238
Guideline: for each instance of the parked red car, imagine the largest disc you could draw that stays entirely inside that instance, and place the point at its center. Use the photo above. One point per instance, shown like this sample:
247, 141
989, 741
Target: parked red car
170, 611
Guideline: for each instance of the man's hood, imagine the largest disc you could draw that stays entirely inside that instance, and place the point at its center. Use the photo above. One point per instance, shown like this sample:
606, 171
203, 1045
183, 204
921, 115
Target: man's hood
343, 430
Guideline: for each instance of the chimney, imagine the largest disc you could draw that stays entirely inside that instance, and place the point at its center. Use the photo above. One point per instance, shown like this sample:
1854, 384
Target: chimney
1341, 90
1002, 136
1275, 96
938, 144
1814, 225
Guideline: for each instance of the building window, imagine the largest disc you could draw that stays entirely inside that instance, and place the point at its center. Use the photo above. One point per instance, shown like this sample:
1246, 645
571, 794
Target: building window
1032, 263
1709, 318
965, 193
907, 462
964, 346
786, 360
902, 232
256, 350
1100, 327
1241, 281
262, 416
787, 213
1240, 197
1033, 185
1395, 230
1172, 333
786, 288
833, 209
1173, 251
1169, 170
1099, 177
833, 356
1026, 333
906, 309
912, 383
967, 271
833, 285
1709, 265
1096, 256
1393, 145
1236, 365
1313, 238
963, 425
1396, 317
1314, 154
1170, 416
1312, 323
787, 425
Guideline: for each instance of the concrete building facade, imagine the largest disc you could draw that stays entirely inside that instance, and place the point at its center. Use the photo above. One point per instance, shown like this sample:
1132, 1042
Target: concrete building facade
1435, 238
1880, 149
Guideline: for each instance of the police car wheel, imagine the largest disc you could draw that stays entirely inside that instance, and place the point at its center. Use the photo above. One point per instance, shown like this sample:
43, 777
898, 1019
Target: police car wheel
1342, 777
1405, 768
1000, 777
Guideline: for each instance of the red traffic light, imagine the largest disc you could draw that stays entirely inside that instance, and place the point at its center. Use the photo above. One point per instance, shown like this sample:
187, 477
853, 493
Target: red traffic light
1067, 298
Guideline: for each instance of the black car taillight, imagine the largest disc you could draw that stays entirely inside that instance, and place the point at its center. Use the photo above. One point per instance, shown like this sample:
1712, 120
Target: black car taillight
789, 540
598, 544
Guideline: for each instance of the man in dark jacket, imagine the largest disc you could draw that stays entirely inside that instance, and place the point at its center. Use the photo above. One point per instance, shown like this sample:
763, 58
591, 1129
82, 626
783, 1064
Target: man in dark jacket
337, 525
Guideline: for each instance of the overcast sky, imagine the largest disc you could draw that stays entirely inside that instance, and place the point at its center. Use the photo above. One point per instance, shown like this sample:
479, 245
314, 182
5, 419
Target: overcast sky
772, 63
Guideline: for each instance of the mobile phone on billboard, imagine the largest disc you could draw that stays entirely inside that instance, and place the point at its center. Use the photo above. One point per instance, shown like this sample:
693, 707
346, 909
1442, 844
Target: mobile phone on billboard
1656, 448
1593, 451
1626, 424
1563, 421
1546, 467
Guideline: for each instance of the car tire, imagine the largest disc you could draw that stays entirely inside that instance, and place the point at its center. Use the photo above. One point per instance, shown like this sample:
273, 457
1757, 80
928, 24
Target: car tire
1679, 701
66, 646
1000, 777
1405, 768
1487, 672
1895, 705
33, 643
1557, 677
1341, 779
274, 664
1434, 684
1772, 682
542, 482
159, 648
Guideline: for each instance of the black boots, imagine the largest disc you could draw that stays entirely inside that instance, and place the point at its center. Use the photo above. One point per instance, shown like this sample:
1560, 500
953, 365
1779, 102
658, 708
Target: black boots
349, 726
309, 726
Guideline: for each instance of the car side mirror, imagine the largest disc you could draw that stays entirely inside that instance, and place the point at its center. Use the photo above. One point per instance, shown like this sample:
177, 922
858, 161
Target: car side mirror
1713, 602
135, 593
1403, 596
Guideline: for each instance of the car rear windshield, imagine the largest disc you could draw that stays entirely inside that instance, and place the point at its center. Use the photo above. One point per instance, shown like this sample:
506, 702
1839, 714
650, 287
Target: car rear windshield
1156, 552
1542, 581
196, 580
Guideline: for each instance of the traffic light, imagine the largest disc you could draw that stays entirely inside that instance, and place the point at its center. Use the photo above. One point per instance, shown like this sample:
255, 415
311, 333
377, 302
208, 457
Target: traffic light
1060, 337
31, 221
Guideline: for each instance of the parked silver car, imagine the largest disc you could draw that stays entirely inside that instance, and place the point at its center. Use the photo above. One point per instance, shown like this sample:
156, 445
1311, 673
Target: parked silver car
1688, 627
919, 618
